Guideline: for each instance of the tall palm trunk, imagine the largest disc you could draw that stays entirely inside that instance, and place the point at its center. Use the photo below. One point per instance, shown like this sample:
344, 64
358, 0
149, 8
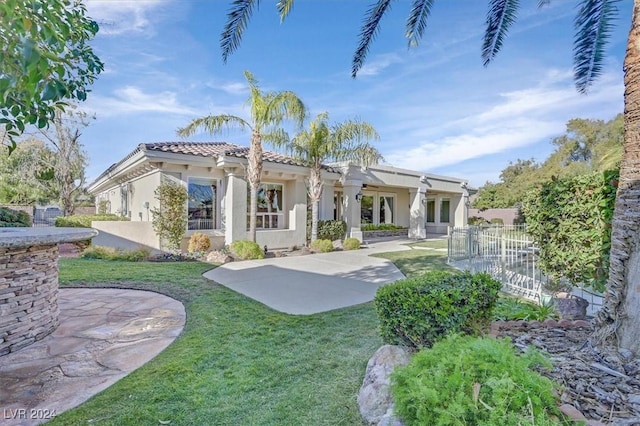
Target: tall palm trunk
618, 322
254, 173
315, 194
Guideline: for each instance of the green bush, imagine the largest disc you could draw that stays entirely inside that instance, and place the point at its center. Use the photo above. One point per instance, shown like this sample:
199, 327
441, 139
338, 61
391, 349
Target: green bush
497, 221
477, 221
108, 253
511, 309
418, 311
10, 218
474, 381
381, 227
323, 246
331, 229
246, 250
84, 220
199, 243
570, 221
351, 244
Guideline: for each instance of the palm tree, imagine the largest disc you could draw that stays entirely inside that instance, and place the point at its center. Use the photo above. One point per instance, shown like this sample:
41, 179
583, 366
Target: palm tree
268, 111
347, 141
618, 322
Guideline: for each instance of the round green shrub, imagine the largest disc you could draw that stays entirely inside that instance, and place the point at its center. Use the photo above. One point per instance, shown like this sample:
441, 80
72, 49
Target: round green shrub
322, 246
351, 244
474, 381
10, 218
421, 310
199, 243
246, 250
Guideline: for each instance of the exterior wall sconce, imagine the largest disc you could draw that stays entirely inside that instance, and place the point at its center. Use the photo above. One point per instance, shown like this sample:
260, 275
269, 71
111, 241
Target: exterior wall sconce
424, 201
359, 196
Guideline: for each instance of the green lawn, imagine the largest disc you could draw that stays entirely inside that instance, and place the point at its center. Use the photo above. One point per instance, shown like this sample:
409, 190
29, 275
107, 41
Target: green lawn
236, 363
416, 261
441, 243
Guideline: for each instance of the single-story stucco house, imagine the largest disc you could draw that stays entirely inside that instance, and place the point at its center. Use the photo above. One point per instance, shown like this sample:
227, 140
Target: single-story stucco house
213, 173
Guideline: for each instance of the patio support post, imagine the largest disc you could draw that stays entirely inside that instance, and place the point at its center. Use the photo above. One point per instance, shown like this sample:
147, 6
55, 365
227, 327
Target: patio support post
352, 212
417, 210
235, 208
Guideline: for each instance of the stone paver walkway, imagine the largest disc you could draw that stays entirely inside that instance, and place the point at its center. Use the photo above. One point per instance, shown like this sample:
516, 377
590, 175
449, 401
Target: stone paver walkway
104, 334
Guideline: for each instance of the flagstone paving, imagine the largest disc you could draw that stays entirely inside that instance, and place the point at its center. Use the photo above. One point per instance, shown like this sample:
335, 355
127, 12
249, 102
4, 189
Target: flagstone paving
104, 334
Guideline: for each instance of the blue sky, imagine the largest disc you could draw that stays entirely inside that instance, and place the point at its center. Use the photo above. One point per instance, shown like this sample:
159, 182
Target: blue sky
436, 108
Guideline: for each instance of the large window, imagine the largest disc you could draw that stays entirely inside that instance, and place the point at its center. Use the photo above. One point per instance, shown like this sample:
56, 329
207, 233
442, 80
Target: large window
366, 209
338, 205
202, 204
444, 210
387, 209
431, 211
270, 201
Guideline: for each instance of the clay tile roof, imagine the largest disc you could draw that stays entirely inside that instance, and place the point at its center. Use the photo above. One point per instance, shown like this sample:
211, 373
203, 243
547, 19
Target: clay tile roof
214, 149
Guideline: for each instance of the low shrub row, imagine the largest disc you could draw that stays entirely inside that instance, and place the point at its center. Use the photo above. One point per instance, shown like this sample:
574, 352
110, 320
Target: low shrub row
10, 218
381, 227
418, 311
331, 230
84, 220
108, 253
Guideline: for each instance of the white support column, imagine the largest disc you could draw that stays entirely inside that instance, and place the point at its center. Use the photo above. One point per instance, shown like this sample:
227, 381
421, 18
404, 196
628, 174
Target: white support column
417, 216
235, 209
352, 213
460, 210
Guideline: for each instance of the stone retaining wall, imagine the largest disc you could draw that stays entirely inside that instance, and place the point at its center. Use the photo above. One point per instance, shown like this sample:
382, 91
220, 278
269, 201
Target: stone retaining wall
28, 295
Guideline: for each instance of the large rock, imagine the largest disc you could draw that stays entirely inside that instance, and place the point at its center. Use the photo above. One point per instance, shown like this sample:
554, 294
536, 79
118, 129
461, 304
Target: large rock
570, 306
374, 398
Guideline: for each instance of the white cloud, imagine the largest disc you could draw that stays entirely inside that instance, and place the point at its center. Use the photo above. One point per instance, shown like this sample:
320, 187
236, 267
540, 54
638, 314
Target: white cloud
125, 16
379, 63
519, 118
131, 99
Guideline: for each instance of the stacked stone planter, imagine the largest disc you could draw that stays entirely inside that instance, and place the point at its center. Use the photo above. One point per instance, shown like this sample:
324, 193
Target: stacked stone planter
385, 233
29, 282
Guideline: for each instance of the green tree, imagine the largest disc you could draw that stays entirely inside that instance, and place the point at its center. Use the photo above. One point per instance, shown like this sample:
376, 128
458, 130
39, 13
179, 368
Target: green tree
170, 218
323, 142
21, 173
45, 60
618, 322
268, 111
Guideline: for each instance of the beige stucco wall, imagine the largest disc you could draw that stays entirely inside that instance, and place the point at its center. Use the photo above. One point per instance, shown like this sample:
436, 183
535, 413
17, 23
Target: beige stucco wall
125, 235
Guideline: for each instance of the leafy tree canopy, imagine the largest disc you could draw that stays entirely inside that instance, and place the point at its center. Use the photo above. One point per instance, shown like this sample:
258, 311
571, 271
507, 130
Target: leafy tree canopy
45, 60
587, 146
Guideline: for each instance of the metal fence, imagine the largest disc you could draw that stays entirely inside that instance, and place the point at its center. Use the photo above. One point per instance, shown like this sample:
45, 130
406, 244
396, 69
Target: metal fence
507, 253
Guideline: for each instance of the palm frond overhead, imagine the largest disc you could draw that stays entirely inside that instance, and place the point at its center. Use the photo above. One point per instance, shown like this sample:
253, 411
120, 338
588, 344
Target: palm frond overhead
284, 7
543, 3
212, 124
237, 18
368, 32
417, 20
593, 25
502, 13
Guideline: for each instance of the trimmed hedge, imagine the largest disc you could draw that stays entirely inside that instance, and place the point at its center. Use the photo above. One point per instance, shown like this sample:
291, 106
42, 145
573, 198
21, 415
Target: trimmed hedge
381, 227
331, 229
323, 246
418, 311
10, 218
246, 250
84, 220
109, 253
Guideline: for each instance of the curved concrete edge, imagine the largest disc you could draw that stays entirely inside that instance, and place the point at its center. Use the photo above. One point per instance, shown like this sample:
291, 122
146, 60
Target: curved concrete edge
104, 335
24, 237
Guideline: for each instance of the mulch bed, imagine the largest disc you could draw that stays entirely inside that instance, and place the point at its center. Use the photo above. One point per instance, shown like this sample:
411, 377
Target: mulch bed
601, 385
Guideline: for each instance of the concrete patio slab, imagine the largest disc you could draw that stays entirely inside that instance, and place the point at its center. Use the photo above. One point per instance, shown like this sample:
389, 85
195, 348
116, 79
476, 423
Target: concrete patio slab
303, 285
